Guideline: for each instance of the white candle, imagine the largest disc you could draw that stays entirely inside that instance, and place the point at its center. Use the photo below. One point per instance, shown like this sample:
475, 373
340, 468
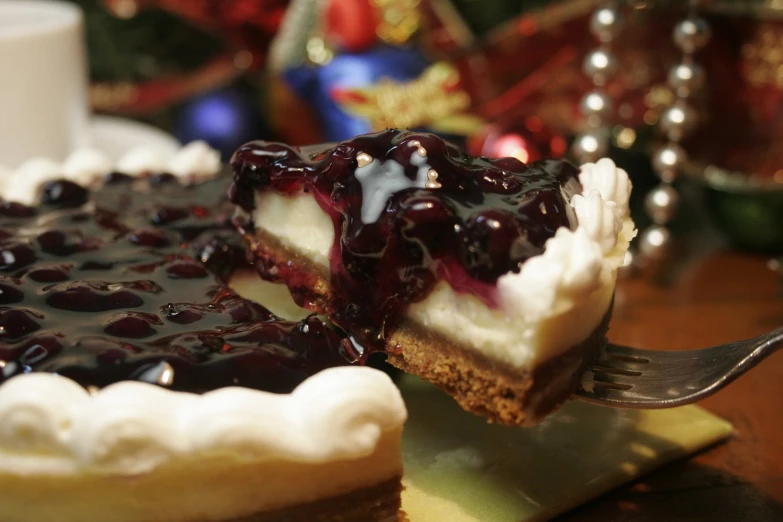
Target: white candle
43, 81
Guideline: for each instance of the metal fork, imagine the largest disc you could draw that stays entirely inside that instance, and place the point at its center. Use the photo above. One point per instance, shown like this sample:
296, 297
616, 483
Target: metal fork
634, 378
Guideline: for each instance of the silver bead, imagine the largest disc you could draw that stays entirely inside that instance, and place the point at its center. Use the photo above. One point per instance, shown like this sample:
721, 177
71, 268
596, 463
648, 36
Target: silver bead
606, 23
686, 78
596, 104
678, 121
661, 203
655, 242
590, 145
599, 65
691, 34
668, 160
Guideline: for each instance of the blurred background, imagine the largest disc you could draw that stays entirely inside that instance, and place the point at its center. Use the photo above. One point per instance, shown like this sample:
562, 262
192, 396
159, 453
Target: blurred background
686, 96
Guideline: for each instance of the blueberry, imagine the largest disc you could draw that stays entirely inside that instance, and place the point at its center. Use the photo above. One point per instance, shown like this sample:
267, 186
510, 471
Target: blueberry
15, 324
186, 270
48, 275
129, 326
166, 215
15, 256
151, 237
15, 210
63, 194
10, 294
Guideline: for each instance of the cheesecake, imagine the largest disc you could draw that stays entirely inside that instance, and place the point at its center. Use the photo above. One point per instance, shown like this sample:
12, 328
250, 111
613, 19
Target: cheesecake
136, 385
491, 278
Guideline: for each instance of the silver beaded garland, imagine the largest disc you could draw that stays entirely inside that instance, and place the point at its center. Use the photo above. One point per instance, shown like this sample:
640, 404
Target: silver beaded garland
599, 65
676, 122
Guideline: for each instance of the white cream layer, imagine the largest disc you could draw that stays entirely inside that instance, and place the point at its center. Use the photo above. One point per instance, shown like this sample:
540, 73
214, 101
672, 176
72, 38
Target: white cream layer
194, 162
556, 300
136, 452
51, 425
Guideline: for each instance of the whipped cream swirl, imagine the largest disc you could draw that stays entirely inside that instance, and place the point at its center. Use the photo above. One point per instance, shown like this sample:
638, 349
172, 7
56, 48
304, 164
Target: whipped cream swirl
575, 263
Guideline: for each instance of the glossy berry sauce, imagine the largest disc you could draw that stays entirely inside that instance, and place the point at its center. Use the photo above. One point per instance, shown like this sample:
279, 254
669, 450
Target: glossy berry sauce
128, 282
480, 219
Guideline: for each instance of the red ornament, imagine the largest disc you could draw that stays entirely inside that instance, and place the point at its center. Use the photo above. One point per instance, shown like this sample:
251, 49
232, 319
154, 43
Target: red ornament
512, 146
503, 141
351, 25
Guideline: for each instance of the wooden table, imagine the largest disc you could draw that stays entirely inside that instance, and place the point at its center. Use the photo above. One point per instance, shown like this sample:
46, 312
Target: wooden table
715, 296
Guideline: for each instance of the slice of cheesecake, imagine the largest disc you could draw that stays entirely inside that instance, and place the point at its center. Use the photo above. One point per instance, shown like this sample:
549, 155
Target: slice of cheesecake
491, 278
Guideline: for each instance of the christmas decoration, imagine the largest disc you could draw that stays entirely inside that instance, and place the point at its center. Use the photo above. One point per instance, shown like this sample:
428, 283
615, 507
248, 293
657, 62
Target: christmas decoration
225, 119
527, 140
676, 121
504, 143
245, 25
137, 66
599, 65
360, 67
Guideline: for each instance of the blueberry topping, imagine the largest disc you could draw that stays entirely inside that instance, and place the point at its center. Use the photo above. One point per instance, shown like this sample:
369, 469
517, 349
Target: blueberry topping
131, 285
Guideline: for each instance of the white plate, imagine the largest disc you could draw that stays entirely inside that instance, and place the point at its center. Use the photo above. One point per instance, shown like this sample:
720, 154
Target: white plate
115, 136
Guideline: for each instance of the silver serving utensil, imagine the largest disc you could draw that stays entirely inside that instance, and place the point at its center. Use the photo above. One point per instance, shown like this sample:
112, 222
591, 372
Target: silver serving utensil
644, 379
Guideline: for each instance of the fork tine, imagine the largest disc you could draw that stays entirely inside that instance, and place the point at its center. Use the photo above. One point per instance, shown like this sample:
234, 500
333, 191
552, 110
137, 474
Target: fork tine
611, 379
628, 358
621, 361
603, 394
625, 353
616, 369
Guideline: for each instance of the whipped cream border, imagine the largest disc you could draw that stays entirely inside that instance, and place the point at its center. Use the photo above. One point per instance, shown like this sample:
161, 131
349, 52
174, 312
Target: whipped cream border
576, 263
49, 424
192, 163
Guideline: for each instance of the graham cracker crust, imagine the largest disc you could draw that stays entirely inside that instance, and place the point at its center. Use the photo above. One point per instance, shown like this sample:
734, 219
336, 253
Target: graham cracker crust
489, 389
478, 384
379, 503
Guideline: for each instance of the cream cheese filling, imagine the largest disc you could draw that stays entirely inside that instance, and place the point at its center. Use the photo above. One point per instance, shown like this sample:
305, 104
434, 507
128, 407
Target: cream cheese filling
554, 302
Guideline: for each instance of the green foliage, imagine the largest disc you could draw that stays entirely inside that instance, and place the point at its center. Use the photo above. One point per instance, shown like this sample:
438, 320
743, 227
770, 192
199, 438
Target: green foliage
150, 45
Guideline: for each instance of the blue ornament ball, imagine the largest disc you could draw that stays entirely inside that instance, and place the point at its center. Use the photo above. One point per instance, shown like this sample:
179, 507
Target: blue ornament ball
225, 119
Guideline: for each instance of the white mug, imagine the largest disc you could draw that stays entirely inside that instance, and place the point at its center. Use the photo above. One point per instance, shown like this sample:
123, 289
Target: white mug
43, 80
